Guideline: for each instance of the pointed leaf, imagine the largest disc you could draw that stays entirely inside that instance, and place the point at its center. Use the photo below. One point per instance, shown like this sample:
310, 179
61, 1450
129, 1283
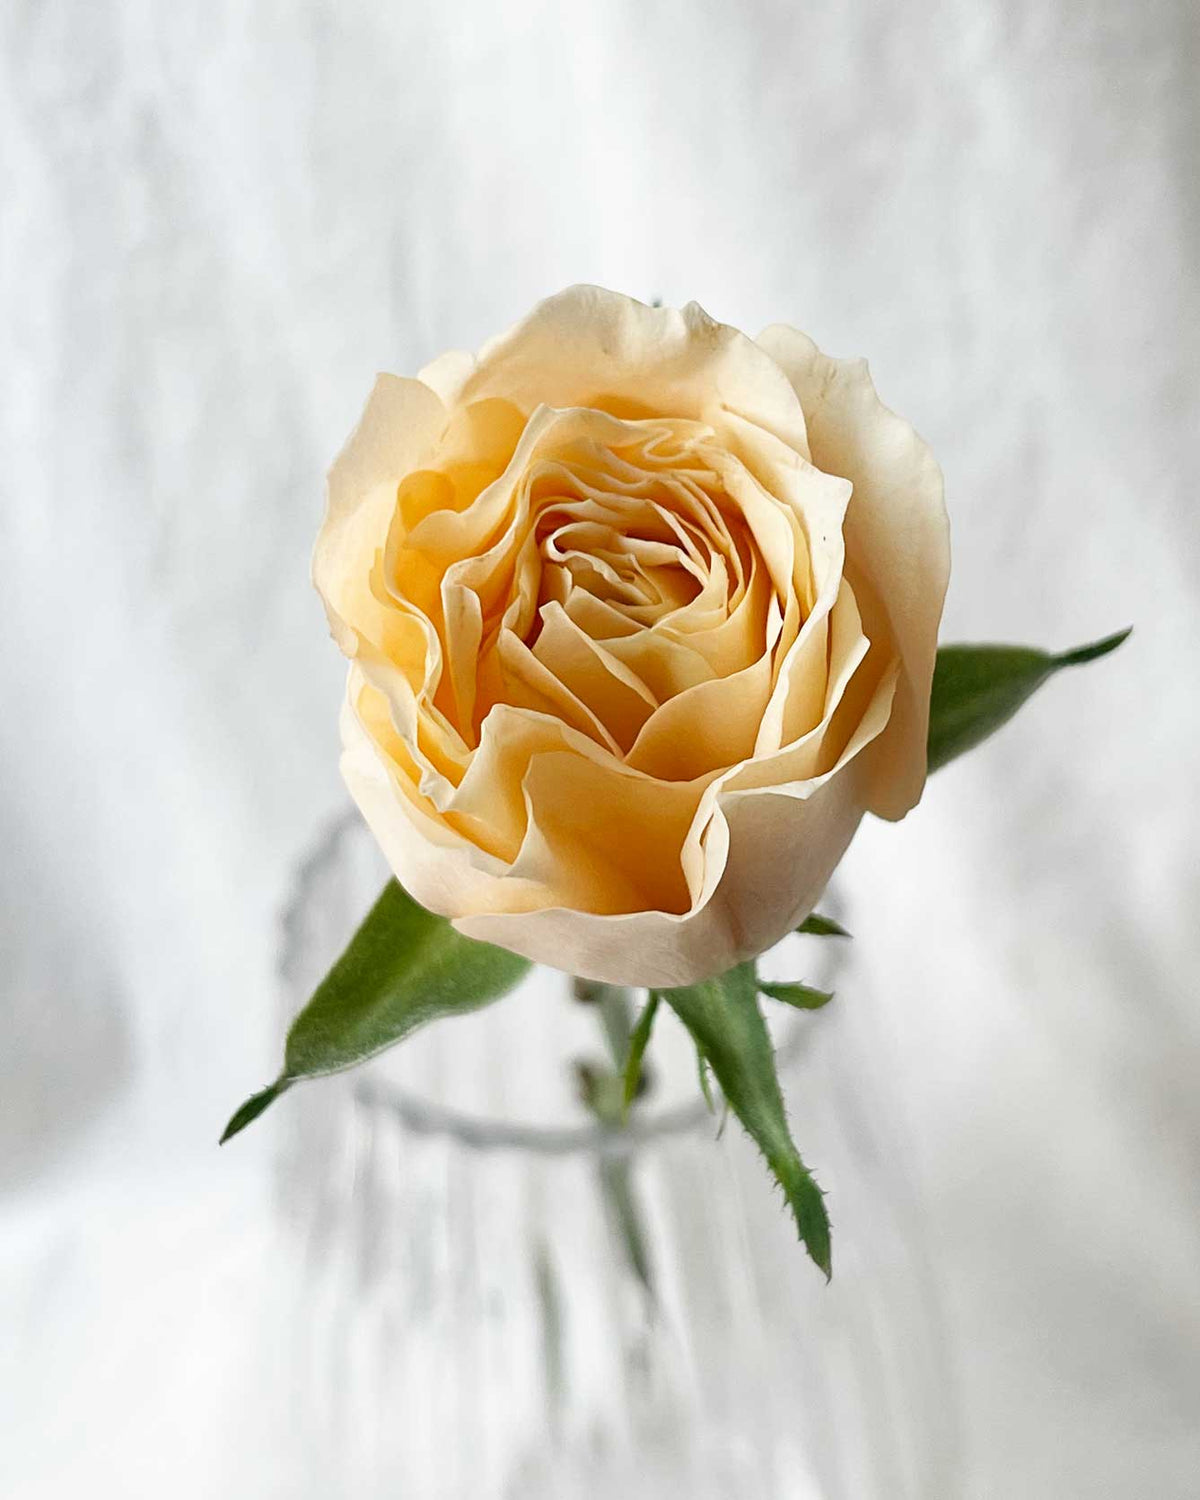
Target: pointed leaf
637, 1050
815, 925
724, 1019
247, 1113
976, 689
403, 968
802, 996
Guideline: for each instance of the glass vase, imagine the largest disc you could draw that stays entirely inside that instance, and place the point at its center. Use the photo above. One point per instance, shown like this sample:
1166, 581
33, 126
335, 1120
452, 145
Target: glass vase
503, 1297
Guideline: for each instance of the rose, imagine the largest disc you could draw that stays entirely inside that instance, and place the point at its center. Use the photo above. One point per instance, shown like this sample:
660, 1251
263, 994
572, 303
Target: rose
642, 617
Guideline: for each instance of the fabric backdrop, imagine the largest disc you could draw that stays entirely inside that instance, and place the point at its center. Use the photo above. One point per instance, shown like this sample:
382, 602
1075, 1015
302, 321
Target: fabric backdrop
219, 220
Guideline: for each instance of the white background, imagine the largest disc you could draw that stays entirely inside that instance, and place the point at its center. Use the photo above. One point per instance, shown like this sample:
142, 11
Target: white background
219, 220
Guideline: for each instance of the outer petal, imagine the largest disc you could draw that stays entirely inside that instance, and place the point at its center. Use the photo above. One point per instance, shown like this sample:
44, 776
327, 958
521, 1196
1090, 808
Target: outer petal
767, 839
400, 424
591, 347
757, 846
448, 373
436, 865
897, 540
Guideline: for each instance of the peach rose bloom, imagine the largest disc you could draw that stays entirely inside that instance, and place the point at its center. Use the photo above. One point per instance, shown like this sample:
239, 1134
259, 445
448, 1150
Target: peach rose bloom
641, 616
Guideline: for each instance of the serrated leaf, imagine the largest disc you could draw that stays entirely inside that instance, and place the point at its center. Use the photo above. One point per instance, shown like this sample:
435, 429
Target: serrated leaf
638, 1042
403, 968
802, 996
727, 1026
815, 925
977, 689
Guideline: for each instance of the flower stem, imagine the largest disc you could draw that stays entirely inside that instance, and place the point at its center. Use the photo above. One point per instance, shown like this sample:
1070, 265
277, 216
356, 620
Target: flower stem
603, 1092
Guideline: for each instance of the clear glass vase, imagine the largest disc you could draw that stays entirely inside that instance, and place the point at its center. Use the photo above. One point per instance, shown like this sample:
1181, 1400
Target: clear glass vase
503, 1299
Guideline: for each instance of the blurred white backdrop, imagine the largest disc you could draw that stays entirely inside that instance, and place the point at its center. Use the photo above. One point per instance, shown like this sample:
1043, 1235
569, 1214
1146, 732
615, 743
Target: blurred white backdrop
219, 220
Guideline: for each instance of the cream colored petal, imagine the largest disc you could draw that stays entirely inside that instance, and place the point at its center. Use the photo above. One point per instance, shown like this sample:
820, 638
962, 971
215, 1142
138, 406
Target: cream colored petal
597, 678
463, 626
447, 374
782, 852
774, 527
492, 794
596, 616
414, 836
530, 683
588, 347
447, 536
604, 840
798, 701
437, 752
784, 846
399, 427
818, 504
839, 643
437, 867
897, 540
850, 690
481, 436
735, 641
648, 948
705, 728
767, 858
664, 663
773, 857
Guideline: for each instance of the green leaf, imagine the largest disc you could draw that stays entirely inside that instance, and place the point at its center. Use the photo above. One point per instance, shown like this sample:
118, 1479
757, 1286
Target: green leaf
637, 1050
802, 996
976, 689
815, 925
727, 1026
403, 968
253, 1107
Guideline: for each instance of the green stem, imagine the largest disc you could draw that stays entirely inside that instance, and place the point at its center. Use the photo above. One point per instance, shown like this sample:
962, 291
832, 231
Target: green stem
604, 1096
615, 1006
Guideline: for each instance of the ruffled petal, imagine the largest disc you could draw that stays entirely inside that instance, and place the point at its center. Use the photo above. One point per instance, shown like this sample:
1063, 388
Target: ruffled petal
897, 540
